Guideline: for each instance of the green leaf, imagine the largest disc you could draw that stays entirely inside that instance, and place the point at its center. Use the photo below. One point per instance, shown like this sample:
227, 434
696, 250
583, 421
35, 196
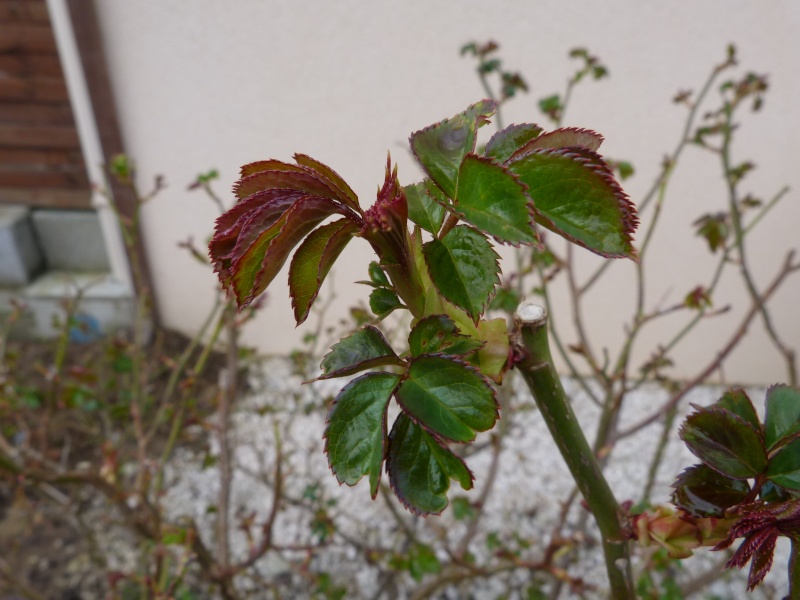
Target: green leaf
361, 350
566, 137
440, 148
355, 438
784, 466
463, 266
702, 492
725, 442
462, 508
420, 468
738, 402
504, 143
447, 398
782, 417
425, 205
422, 560
490, 197
773, 493
382, 301
377, 276
263, 259
438, 333
575, 195
313, 260
550, 105
505, 300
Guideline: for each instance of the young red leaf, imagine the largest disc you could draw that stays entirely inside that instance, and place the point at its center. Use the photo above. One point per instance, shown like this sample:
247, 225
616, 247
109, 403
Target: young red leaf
270, 164
345, 192
448, 398
363, 349
232, 220
761, 562
492, 198
289, 177
504, 143
575, 195
312, 261
355, 438
420, 468
440, 148
239, 227
255, 269
566, 137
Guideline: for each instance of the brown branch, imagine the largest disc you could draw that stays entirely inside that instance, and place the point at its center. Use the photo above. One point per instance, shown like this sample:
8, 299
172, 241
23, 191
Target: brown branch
266, 529
787, 269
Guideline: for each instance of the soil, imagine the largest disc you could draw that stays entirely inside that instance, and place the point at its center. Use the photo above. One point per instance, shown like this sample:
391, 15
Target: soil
49, 546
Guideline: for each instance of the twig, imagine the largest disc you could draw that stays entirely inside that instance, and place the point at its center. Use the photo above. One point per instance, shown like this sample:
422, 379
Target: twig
226, 395
787, 269
738, 230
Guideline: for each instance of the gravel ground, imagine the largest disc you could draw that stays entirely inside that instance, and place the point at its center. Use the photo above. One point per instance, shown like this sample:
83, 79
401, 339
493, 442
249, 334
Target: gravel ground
531, 482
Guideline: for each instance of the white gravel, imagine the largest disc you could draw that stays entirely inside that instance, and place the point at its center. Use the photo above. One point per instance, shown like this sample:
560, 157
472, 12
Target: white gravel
530, 485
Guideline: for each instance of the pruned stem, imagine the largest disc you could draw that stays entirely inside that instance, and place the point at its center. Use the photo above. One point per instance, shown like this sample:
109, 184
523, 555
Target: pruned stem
537, 368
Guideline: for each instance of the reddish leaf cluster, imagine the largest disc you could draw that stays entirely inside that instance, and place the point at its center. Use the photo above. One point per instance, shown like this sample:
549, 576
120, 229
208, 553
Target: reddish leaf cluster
278, 205
760, 530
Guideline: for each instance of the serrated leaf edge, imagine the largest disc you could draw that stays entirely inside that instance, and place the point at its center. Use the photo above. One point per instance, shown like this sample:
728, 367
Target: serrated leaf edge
531, 206
700, 410
595, 163
407, 505
384, 427
442, 439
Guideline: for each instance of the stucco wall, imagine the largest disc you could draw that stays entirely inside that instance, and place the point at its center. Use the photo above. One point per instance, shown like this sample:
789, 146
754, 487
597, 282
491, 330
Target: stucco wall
206, 84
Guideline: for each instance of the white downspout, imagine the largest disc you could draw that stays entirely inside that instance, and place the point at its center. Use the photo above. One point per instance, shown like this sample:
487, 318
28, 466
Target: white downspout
89, 138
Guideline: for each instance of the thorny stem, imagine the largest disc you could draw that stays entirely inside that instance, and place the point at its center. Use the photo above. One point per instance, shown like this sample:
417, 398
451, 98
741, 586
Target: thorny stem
537, 368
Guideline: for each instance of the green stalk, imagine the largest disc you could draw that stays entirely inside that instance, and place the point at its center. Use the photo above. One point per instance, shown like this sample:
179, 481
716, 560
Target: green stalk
794, 571
537, 368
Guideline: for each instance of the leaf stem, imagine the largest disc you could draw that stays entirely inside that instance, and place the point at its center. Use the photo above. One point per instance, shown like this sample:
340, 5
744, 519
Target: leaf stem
537, 368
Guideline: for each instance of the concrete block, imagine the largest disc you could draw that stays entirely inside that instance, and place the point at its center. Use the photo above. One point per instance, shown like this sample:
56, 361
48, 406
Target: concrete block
20, 256
105, 306
71, 239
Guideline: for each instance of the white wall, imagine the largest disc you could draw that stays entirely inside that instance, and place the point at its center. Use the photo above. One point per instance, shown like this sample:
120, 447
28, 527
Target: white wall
206, 84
